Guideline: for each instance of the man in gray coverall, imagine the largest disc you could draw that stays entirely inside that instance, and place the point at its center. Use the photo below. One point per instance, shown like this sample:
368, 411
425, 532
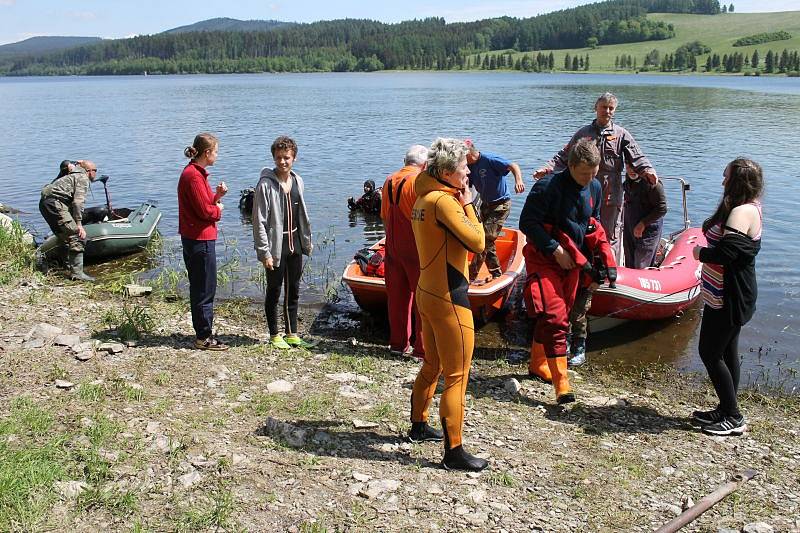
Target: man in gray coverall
617, 146
61, 205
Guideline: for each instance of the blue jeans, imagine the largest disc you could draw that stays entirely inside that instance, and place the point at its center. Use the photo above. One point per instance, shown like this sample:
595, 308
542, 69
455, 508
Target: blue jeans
200, 258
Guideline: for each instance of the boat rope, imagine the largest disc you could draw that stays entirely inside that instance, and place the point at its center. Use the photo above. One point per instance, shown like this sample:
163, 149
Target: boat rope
634, 306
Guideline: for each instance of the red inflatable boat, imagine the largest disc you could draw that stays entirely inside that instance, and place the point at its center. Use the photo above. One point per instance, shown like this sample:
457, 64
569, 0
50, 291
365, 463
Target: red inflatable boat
656, 292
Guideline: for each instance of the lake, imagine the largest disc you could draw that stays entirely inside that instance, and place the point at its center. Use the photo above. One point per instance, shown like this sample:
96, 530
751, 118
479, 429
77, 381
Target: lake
353, 127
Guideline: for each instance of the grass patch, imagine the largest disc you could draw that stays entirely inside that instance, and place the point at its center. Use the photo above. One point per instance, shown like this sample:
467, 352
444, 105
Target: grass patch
268, 404
117, 503
132, 322
17, 257
92, 392
216, 514
28, 469
502, 479
317, 405
358, 364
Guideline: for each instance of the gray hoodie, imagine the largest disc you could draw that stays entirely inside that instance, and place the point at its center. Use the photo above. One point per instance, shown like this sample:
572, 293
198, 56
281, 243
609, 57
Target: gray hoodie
268, 217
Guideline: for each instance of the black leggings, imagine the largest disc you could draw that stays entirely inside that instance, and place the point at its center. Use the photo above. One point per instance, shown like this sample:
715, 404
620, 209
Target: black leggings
719, 350
286, 274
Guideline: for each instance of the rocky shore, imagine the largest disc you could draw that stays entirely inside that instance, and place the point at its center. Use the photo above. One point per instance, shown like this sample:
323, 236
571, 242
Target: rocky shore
110, 421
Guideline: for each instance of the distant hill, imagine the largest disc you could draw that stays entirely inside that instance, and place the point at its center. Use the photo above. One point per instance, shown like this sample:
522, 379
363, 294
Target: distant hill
44, 45
718, 32
229, 24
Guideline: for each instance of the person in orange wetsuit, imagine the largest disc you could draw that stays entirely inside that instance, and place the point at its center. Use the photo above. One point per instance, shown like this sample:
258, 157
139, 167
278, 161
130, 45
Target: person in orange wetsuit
402, 261
566, 201
446, 228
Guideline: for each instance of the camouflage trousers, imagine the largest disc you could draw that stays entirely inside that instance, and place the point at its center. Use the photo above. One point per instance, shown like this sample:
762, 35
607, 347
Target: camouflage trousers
577, 315
493, 218
56, 214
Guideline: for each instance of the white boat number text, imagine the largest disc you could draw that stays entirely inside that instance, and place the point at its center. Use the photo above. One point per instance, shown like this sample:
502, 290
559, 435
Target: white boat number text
650, 284
122, 225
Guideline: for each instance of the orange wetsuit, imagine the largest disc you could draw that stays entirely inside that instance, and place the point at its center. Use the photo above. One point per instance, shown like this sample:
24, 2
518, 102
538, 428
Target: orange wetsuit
444, 232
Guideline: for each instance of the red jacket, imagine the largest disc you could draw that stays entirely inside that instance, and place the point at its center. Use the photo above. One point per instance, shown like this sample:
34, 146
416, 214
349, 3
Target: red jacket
197, 210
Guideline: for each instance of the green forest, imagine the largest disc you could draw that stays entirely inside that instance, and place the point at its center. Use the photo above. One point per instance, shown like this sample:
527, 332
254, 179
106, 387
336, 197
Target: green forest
365, 45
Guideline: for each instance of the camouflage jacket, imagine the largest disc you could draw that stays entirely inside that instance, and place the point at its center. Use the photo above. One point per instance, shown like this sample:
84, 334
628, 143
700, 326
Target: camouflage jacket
70, 190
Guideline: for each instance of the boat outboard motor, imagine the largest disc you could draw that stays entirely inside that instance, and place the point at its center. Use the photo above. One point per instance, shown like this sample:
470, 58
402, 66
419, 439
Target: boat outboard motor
104, 180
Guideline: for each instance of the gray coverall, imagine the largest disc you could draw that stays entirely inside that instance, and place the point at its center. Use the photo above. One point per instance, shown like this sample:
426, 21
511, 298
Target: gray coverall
61, 205
616, 146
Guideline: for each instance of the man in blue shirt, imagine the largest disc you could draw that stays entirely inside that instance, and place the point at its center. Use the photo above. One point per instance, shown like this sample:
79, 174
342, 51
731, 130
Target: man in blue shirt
487, 174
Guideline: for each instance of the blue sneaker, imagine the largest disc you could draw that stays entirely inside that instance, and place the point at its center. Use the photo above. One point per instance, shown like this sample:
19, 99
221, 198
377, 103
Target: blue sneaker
578, 352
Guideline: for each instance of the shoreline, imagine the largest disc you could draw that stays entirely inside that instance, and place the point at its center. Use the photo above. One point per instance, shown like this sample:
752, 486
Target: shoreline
167, 437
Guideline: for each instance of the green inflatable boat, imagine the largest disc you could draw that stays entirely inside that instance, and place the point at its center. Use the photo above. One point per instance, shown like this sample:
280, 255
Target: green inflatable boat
111, 233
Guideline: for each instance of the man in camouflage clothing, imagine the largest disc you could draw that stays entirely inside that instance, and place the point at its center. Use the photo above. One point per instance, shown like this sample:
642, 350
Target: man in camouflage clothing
61, 206
617, 146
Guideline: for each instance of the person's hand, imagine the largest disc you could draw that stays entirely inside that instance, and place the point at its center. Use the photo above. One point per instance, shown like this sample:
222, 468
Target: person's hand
464, 196
519, 187
221, 207
638, 230
563, 258
222, 189
593, 286
696, 252
267, 262
650, 176
81, 232
310, 248
540, 173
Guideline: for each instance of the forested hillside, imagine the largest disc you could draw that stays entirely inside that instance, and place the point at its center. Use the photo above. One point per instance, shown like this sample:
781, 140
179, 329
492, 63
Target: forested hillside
364, 45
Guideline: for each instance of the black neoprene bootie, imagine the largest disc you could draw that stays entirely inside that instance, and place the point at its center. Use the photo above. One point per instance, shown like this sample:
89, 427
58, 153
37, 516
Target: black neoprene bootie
422, 432
458, 459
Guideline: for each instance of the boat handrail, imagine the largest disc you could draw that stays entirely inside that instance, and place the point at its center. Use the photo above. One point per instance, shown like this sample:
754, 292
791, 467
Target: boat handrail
685, 186
144, 214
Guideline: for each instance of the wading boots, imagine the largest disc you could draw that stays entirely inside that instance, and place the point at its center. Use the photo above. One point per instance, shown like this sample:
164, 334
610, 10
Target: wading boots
76, 272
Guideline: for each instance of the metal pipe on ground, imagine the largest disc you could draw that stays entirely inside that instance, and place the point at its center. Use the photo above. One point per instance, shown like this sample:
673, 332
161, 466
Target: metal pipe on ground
692, 513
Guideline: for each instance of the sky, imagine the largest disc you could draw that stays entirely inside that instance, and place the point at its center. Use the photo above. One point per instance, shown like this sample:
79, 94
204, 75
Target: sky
21, 19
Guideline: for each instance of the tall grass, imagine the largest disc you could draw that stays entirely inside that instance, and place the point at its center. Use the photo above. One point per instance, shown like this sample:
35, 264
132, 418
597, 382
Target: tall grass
17, 257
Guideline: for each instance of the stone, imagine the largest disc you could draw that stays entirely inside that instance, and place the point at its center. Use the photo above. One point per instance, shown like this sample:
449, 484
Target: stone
377, 487
152, 427
111, 347
220, 372
84, 356
363, 424
238, 458
187, 480
70, 489
477, 496
166, 444
758, 527
512, 386
292, 435
435, 489
667, 471
33, 343
348, 391
43, 330
358, 476
280, 386
64, 384
687, 502
342, 377
67, 340
136, 291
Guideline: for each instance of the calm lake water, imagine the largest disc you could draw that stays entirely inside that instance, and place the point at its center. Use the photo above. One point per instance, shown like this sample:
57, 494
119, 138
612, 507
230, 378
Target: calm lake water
353, 127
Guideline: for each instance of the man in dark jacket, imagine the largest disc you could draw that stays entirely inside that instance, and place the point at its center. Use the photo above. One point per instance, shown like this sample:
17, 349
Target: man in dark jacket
61, 205
565, 201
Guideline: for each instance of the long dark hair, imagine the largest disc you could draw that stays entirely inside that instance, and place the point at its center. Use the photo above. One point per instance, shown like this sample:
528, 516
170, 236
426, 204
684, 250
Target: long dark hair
745, 183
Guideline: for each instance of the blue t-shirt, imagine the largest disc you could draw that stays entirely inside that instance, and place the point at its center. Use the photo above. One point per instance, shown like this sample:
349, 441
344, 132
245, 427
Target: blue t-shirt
487, 175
